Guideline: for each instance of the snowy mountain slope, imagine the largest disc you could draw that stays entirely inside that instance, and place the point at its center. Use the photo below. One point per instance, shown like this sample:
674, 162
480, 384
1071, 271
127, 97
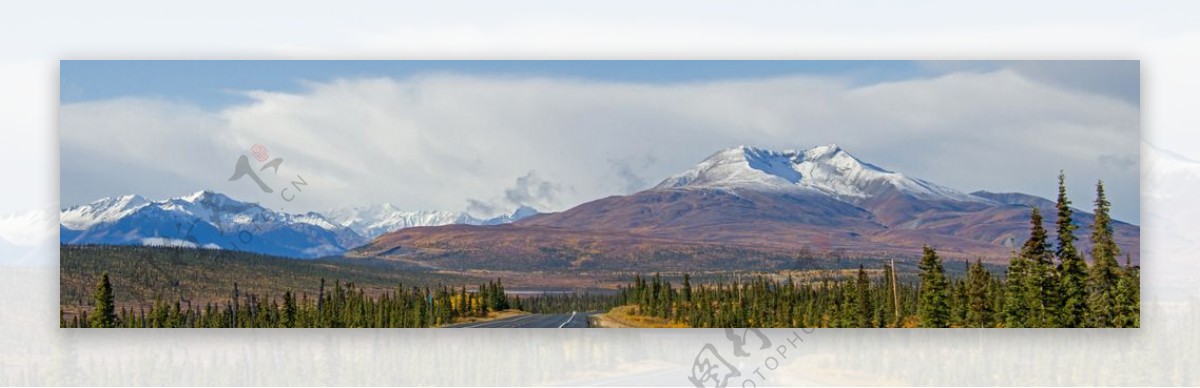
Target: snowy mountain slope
1015, 199
521, 213
372, 221
825, 169
205, 219
102, 210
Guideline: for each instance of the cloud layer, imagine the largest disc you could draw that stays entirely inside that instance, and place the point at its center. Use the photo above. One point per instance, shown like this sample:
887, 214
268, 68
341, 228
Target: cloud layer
489, 143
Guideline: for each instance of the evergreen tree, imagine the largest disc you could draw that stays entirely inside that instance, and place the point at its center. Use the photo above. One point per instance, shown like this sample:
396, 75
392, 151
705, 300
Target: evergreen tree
234, 302
687, 288
1072, 269
1128, 298
935, 308
979, 303
1041, 278
289, 309
1105, 273
104, 315
862, 299
321, 297
959, 298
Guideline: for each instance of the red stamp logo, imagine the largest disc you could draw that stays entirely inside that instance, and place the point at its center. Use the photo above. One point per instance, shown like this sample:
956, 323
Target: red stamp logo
259, 152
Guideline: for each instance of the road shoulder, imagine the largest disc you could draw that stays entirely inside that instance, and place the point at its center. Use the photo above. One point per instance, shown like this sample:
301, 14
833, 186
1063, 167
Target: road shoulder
492, 316
627, 317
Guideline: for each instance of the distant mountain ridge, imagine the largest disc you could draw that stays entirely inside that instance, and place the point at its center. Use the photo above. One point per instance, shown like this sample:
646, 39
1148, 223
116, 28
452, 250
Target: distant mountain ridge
207, 219
779, 203
372, 221
204, 219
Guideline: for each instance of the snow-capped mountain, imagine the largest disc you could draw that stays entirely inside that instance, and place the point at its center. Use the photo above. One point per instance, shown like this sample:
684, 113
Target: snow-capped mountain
743, 204
372, 221
522, 213
204, 219
103, 210
212, 220
827, 169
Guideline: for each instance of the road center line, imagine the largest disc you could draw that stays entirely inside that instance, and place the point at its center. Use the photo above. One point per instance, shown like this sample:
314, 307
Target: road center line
568, 320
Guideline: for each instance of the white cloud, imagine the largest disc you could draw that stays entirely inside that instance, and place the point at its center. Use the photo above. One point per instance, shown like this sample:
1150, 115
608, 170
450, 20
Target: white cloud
439, 141
27, 151
28, 228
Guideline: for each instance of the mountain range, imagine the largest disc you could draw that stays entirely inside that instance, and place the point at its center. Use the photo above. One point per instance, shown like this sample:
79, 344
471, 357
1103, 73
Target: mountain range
372, 221
207, 219
743, 207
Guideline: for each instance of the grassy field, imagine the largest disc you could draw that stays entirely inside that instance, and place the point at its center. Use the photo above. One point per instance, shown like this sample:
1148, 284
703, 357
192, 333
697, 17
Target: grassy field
627, 317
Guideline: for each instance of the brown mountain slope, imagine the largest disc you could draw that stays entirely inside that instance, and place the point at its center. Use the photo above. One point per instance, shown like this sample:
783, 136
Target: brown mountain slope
748, 208
715, 229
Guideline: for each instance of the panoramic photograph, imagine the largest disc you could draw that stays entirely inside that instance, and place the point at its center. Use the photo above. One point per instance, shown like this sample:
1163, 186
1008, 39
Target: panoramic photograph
599, 194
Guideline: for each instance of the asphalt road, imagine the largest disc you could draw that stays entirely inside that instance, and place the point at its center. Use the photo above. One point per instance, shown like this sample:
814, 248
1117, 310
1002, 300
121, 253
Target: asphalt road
553, 321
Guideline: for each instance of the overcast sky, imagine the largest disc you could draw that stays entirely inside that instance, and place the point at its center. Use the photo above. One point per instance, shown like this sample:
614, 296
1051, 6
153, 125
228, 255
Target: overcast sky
488, 136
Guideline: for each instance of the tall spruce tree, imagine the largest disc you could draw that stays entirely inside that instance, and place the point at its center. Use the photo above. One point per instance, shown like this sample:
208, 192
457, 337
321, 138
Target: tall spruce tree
958, 302
1041, 280
862, 299
1128, 298
289, 309
105, 313
1105, 272
1072, 269
979, 301
687, 288
935, 298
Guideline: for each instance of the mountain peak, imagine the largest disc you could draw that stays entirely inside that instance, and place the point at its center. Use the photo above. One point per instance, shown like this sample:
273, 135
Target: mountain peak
101, 210
826, 169
132, 199
823, 150
128, 200
204, 195
523, 211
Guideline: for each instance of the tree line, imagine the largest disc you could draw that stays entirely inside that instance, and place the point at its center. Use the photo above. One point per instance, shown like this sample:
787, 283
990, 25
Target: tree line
1046, 284
335, 305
